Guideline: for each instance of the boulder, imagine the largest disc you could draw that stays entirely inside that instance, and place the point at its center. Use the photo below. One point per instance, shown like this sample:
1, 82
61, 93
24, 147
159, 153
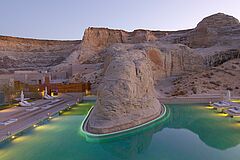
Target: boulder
126, 96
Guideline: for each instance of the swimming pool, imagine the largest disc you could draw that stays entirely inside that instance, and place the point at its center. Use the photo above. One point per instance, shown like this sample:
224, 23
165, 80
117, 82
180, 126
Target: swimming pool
191, 132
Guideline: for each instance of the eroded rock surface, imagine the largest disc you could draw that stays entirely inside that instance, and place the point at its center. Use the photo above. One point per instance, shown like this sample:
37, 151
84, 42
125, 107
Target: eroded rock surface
215, 80
23, 53
126, 94
214, 41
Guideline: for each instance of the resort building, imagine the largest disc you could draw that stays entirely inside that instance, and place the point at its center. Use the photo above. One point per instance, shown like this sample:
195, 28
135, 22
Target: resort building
33, 82
30, 77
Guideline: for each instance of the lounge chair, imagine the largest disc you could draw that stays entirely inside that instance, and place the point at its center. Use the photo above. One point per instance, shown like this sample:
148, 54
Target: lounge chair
235, 110
221, 104
25, 104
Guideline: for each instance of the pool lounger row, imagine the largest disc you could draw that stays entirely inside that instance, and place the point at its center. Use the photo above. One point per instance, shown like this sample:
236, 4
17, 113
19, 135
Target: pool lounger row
10, 121
222, 106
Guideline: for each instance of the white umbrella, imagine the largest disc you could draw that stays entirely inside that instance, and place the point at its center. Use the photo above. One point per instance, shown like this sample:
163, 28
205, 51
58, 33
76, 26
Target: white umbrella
22, 96
45, 91
228, 95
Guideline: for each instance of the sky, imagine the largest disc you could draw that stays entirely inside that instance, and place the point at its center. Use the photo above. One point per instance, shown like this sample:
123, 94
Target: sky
67, 19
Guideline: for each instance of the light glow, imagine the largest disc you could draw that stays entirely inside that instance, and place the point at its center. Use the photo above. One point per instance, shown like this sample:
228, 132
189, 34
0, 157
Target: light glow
222, 114
235, 100
209, 107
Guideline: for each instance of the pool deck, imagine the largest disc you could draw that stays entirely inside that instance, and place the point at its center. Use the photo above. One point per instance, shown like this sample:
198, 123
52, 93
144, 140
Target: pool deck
194, 99
26, 119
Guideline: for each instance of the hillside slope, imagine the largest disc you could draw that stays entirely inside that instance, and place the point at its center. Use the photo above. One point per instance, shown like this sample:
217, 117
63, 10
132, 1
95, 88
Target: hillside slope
22, 53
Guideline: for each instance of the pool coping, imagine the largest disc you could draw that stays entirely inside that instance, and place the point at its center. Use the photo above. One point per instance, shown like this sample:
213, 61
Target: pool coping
94, 135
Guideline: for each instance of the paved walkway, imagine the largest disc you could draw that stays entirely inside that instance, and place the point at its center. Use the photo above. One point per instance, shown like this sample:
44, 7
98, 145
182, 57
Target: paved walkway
26, 119
191, 99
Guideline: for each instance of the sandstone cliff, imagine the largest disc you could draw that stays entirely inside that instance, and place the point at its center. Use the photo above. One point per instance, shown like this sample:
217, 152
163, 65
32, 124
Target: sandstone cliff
96, 40
215, 40
126, 94
23, 53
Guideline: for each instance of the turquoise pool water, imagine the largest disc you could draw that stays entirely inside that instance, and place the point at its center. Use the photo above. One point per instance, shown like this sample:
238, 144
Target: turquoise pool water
191, 132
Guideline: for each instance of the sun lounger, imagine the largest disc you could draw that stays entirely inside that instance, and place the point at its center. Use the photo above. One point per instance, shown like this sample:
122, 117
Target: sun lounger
10, 121
47, 107
13, 119
55, 101
25, 104
32, 109
221, 104
234, 110
48, 97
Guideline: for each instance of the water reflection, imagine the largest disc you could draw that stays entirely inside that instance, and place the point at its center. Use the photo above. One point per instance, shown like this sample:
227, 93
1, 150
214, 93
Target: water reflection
216, 132
133, 143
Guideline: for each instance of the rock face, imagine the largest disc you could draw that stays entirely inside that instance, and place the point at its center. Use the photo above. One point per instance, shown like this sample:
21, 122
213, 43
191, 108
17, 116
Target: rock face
100, 38
22, 53
216, 80
218, 29
126, 94
210, 29
214, 41
217, 21
172, 59
96, 40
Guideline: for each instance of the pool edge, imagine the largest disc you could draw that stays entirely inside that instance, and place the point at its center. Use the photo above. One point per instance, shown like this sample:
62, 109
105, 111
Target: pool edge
86, 134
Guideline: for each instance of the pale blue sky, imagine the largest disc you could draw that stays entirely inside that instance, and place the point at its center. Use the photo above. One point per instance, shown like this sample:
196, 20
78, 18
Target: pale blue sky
67, 19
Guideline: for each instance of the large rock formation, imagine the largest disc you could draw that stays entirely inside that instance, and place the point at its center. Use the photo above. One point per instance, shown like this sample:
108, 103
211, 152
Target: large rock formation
212, 30
23, 53
126, 94
214, 41
218, 29
96, 40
